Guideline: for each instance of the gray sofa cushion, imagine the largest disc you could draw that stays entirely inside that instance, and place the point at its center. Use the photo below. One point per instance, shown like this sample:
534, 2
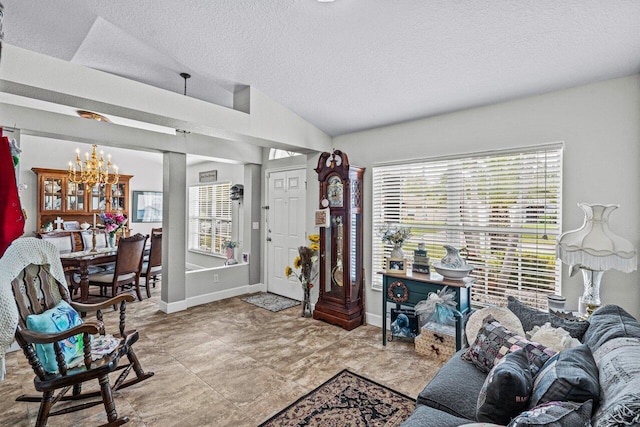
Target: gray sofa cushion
610, 322
454, 389
531, 317
426, 416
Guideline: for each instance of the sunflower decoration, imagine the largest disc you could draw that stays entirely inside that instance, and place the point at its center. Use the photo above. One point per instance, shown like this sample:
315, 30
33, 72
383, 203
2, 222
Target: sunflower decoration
305, 261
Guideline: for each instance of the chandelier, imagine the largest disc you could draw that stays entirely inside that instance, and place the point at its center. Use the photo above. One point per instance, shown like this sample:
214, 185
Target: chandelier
94, 170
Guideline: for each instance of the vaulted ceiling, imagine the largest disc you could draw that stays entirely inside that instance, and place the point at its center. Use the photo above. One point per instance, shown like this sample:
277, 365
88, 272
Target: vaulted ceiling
346, 65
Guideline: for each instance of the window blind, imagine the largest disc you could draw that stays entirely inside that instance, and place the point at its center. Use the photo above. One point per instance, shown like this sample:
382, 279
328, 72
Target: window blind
502, 208
209, 217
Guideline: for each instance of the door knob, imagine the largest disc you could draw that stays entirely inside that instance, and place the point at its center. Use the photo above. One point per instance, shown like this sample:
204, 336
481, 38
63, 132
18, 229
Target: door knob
268, 239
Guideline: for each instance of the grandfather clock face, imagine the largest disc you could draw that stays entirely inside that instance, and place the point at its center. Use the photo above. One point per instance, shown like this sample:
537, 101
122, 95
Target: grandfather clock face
335, 192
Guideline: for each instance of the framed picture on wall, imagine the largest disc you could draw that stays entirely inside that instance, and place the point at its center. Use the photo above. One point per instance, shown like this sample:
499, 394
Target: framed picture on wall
147, 206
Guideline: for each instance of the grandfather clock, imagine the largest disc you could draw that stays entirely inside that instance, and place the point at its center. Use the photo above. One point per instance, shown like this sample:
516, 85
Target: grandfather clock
341, 289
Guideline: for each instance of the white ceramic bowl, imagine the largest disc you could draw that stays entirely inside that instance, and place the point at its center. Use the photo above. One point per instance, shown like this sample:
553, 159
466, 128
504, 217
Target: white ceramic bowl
85, 225
452, 273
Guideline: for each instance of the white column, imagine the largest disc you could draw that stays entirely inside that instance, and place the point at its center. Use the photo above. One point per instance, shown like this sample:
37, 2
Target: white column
174, 236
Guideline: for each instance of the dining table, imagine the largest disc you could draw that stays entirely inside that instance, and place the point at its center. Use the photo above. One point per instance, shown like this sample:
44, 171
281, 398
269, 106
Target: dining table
82, 260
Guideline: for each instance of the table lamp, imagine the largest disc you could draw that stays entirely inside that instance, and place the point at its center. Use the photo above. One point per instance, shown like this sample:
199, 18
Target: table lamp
594, 249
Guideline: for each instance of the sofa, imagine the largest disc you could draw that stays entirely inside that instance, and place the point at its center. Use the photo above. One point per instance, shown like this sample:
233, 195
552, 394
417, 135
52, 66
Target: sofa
612, 337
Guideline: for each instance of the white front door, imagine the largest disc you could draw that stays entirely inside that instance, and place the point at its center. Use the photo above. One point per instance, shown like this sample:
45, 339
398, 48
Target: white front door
285, 229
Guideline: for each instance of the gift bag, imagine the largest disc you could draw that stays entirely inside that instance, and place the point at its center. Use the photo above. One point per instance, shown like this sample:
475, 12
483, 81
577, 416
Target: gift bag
439, 307
437, 338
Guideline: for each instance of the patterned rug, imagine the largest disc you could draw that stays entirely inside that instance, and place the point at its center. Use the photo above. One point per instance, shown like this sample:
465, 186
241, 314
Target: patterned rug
271, 302
347, 399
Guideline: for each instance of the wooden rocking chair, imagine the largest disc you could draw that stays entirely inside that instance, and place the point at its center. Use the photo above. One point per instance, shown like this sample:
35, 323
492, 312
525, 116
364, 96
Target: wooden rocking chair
39, 286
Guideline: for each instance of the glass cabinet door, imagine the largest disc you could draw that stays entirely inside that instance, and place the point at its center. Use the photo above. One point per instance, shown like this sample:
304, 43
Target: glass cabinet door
52, 194
98, 198
75, 197
118, 192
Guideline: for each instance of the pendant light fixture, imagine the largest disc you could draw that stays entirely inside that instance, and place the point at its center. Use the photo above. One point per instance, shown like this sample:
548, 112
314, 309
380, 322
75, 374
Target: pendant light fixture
185, 76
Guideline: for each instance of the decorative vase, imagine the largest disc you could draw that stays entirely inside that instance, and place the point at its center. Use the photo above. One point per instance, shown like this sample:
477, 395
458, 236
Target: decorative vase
452, 259
306, 303
111, 240
396, 252
229, 253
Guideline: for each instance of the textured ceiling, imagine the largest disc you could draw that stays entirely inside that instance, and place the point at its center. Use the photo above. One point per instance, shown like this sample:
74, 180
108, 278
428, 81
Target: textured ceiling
343, 66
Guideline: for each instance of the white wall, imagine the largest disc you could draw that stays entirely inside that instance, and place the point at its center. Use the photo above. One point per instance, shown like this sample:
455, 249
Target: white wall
600, 127
41, 152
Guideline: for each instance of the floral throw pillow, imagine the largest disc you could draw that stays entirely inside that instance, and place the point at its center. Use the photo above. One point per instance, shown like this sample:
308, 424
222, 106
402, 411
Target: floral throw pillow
494, 341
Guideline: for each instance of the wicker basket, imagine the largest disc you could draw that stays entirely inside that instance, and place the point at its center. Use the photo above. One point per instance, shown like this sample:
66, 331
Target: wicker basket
436, 341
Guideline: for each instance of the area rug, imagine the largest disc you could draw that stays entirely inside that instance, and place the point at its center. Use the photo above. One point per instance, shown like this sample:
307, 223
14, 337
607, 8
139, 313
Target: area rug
347, 399
271, 302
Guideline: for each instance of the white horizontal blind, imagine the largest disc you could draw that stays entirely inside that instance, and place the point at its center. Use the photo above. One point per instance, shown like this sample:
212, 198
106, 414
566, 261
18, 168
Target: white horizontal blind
504, 208
209, 217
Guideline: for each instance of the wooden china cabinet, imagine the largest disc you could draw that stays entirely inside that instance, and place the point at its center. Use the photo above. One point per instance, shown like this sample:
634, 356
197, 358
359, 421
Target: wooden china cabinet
341, 300
59, 197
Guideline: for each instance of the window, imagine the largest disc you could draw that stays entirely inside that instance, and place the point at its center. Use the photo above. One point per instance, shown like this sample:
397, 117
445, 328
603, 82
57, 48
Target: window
209, 217
502, 208
276, 153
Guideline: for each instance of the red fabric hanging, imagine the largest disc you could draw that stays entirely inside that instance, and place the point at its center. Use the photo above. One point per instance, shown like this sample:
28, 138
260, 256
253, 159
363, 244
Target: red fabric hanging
11, 217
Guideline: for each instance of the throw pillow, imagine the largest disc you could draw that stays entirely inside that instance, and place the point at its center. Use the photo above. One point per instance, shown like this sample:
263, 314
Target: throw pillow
618, 362
480, 425
506, 390
494, 341
569, 375
501, 314
531, 317
555, 414
57, 319
610, 322
556, 339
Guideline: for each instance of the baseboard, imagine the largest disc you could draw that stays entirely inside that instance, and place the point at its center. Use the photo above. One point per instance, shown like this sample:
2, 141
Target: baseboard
172, 307
227, 293
374, 320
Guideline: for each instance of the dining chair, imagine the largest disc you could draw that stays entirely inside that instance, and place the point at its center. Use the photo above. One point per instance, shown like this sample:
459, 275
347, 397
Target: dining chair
62, 349
64, 241
126, 272
87, 240
101, 243
146, 253
152, 268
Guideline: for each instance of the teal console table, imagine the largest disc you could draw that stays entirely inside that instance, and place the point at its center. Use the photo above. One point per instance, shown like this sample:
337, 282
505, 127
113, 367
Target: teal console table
418, 286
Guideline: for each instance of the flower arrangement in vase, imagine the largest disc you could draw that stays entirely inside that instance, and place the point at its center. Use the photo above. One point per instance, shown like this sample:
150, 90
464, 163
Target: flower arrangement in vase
305, 261
395, 235
230, 246
112, 223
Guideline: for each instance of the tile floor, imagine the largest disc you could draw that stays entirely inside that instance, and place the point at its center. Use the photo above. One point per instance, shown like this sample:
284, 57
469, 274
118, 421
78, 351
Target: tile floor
228, 363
